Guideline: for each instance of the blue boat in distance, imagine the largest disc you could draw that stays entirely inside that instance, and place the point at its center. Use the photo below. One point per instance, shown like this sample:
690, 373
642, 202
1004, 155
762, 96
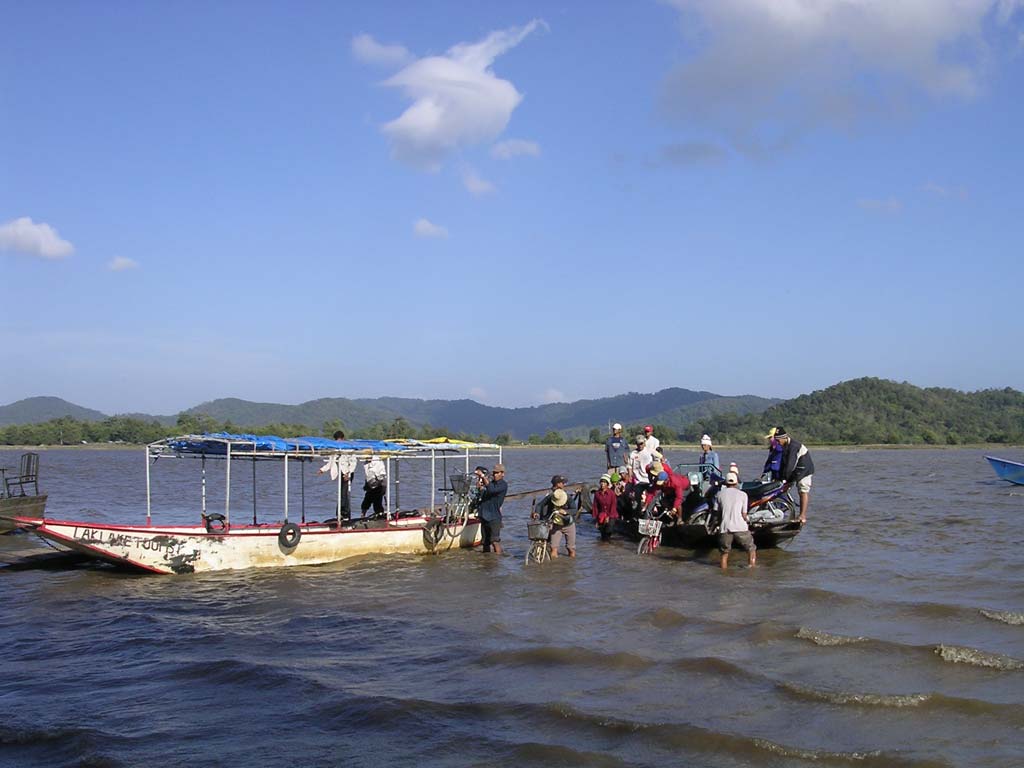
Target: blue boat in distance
1008, 470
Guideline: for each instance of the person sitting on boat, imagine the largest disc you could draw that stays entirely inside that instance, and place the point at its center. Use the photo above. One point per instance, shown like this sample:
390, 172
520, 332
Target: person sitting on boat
605, 508
563, 523
731, 504
492, 496
616, 450
797, 469
709, 463
673, 490
773, 464
375, 485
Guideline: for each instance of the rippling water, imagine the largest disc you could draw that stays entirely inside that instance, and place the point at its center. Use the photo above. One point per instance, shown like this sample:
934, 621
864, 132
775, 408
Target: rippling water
889, 633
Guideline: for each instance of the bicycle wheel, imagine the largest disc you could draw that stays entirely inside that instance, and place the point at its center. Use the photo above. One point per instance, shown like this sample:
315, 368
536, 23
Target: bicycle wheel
644, 547
535, 554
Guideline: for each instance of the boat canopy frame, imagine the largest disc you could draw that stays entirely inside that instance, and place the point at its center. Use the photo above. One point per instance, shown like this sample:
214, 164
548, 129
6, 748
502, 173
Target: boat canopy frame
257, 448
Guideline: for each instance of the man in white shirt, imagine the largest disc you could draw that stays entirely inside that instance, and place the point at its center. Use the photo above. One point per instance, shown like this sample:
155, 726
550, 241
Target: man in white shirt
638, 463
653, 443
732, 503
375, 486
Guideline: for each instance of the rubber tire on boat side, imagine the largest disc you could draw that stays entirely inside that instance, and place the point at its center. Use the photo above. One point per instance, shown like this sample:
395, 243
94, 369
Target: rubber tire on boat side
289, 535
218, 518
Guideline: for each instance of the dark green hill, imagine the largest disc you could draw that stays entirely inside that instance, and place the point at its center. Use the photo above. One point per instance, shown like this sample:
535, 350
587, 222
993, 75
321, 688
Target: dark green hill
878, 411
34, 410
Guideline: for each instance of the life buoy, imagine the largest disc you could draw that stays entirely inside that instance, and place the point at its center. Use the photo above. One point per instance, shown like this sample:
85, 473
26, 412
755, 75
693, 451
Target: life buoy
289, 535
215, 523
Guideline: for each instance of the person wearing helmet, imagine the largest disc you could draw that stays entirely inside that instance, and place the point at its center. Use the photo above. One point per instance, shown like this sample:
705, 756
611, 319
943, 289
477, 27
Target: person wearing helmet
709, 464
673, 490
616, 450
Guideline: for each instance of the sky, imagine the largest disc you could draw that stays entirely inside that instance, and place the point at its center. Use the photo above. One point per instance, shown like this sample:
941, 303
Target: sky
516, 202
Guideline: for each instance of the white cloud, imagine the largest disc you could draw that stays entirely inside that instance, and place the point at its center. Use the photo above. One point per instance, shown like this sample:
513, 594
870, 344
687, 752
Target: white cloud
368, 50
942, 190
121, 263
888, 205
476, 185
478, 393
458, 101
427, 228
506, 150
552, 395
766, 71
25, 236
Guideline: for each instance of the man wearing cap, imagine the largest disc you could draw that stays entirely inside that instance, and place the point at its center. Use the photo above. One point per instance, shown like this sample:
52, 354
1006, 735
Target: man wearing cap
653, 443
492, 496
797, 468
605, 509
731, 503
709, 463
638, 463
773, 464
616, 449
673, 490
563, 521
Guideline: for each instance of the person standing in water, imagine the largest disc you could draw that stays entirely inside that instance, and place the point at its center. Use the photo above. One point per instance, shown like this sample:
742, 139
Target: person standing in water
731, 502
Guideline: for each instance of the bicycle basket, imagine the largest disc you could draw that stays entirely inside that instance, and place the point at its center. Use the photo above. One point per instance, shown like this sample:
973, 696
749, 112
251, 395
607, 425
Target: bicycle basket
538, 531
648, 527
461, 483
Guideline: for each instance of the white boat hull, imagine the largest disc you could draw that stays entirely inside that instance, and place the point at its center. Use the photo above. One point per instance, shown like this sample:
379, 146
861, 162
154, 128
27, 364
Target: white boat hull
192, 549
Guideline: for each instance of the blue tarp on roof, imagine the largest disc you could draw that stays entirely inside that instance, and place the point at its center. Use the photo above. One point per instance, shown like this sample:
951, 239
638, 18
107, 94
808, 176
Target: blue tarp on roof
216, 446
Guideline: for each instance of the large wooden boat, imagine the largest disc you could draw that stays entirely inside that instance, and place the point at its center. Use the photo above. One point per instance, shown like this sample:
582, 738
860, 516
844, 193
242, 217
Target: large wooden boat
218, 543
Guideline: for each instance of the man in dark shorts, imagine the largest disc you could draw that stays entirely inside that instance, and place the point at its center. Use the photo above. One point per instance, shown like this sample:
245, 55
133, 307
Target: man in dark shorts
732, 503
492, 496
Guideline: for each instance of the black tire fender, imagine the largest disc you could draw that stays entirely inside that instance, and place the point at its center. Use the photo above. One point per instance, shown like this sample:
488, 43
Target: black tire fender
289, 535
215, 523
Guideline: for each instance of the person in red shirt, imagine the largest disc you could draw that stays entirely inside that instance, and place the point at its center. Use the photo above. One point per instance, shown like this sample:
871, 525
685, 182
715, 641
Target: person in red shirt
605, 509
673, 489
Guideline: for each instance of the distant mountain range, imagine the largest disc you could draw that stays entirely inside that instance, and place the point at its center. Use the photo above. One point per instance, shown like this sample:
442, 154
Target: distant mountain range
673, 407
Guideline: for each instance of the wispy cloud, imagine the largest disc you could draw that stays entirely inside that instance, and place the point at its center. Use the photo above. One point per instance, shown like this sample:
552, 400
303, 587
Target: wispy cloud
368, 50
689, 154
457, 100
476, 185
942, 190
552, 395
506, 150
122, 263
478, 393
767, 71
889, 205
25, 236
427, 228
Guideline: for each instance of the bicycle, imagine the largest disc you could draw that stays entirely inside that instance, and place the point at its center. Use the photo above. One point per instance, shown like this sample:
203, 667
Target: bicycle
539, 551
649, 528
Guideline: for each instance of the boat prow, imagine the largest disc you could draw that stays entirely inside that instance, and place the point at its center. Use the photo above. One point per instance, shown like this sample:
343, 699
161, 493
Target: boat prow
1011, 471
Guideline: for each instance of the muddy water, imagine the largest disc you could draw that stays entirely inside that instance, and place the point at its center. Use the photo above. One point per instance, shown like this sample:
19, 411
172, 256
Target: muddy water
890, 632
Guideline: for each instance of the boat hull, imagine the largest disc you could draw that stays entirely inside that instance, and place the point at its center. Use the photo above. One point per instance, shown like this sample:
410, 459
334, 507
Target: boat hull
192, 549
1012, 471
766, 536
20, 506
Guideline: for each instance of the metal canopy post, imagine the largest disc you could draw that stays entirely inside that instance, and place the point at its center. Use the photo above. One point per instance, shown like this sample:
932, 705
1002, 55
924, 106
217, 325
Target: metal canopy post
433, 478
202, 483
254, 485
285, 490
337, 506
149, 508
227, 485
398, 482
387, 489
302, 484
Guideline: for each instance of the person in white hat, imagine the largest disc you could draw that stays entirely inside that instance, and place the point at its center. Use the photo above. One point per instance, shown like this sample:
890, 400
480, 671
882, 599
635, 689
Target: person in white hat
731, 503
616, 450
709, 463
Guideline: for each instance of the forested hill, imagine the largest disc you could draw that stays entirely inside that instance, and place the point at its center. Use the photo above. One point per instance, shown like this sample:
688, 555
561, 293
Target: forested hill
34, 410
877, 411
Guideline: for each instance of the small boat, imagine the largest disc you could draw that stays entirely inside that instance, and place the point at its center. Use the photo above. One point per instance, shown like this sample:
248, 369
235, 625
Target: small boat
222, 543
1008, 470
20, 504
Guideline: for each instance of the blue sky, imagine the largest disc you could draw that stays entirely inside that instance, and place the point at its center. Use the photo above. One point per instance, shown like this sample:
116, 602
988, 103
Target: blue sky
515, 202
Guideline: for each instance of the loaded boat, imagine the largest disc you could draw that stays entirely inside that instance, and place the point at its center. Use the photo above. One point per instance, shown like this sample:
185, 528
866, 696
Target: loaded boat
774, 517
222, 541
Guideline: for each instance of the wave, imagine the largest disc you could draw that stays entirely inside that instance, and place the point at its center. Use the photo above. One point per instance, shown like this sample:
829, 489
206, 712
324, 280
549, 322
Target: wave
663, 618
547, 656
273, 677
1007, 617
860, 699
57, 746
825, 638
961, 655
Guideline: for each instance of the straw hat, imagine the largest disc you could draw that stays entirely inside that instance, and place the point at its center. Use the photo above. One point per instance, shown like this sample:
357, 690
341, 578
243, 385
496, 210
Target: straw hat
559, 498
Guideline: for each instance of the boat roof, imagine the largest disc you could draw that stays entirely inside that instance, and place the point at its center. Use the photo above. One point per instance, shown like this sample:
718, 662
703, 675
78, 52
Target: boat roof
272, 446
